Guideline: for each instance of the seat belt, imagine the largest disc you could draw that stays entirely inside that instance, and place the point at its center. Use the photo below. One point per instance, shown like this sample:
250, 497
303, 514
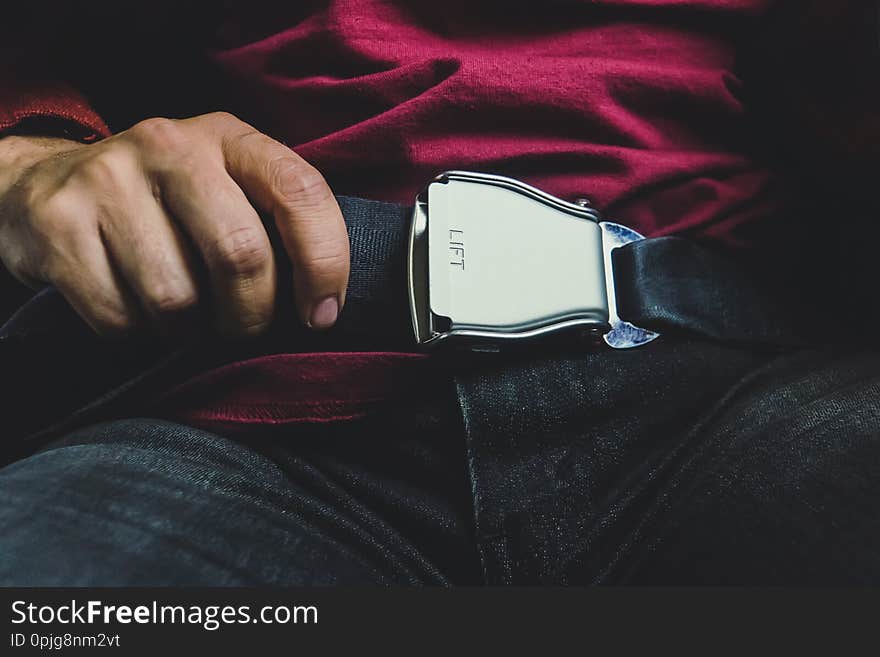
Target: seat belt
676, 286
666, 285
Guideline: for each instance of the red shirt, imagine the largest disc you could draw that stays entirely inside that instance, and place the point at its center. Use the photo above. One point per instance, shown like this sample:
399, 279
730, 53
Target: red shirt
631, 103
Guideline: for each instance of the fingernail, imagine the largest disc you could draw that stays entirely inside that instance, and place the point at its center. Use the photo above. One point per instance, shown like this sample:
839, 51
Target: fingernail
324, 313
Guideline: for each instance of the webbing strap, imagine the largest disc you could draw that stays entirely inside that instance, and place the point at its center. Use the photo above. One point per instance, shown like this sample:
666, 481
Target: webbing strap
672, 285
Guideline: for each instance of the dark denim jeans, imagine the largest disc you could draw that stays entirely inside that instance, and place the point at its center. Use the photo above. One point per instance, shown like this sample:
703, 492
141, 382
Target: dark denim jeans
681, 463
144, 501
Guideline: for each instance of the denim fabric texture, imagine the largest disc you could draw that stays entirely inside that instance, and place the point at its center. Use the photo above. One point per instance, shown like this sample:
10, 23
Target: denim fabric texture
680, 463
147, 502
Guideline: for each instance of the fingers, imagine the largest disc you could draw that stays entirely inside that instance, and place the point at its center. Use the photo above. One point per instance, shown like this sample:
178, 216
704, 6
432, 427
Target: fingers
151, 255
98, 295
130, 227
82, 271
109, 247
306, 213
57, 240
232, 243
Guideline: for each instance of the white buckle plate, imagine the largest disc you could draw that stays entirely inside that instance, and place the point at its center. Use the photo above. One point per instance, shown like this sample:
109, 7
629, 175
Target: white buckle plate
492, 260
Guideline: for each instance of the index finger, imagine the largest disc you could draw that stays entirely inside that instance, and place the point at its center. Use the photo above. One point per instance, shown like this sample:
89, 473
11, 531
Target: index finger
305, 211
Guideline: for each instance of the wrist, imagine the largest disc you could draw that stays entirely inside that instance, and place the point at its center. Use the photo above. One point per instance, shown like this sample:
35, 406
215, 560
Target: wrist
18, 153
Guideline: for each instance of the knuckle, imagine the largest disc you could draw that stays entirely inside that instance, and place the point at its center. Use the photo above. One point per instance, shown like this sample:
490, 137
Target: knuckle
222, 118
297, 183
167, 299
242, 253
107, 169
159, 133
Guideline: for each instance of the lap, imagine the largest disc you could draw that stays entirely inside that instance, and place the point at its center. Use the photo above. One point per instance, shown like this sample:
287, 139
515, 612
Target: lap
777, 484
144, 501
697, 464
687, 463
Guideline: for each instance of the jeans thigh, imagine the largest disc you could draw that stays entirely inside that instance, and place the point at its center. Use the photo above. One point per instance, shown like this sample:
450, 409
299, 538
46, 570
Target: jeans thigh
150, 502
777, 484
684, 462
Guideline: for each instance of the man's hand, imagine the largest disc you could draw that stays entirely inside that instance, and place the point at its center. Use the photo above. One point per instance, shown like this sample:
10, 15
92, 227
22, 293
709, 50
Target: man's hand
124, 227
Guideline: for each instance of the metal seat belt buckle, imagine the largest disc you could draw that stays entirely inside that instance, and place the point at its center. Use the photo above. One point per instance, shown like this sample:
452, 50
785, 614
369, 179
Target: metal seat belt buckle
493, 261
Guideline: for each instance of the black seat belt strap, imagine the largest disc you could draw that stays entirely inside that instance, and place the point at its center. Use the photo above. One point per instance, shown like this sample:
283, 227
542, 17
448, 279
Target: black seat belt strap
671, 285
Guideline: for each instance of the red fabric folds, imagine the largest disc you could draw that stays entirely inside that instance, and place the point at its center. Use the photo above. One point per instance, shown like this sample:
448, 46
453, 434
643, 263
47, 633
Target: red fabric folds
295, 388
634, 104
